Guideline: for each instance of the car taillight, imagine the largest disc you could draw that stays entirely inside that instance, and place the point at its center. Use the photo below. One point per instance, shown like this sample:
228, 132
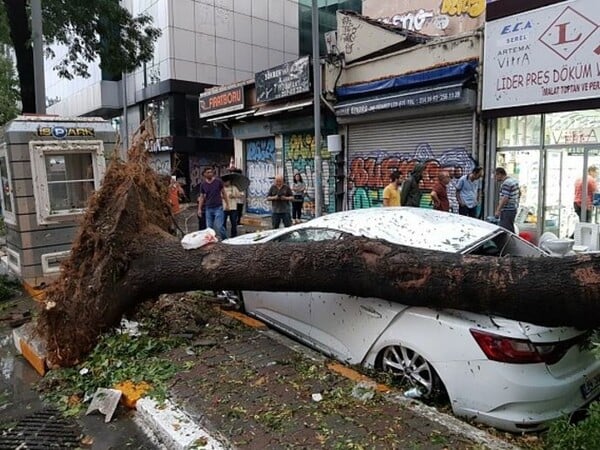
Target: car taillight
519, 351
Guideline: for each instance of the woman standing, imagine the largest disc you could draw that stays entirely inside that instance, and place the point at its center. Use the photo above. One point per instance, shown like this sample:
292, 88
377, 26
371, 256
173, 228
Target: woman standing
299, 189
232, 194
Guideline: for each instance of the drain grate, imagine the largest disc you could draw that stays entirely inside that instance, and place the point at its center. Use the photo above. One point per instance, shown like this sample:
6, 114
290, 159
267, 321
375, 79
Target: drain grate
42, 430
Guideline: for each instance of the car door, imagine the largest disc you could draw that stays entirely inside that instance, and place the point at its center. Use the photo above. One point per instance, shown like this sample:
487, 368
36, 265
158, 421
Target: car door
289, 311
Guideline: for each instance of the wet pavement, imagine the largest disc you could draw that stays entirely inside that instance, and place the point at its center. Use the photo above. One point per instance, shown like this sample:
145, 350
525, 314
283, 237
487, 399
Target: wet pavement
28, 422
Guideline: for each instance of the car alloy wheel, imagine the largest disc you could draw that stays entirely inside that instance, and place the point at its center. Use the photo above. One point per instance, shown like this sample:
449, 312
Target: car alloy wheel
408, 367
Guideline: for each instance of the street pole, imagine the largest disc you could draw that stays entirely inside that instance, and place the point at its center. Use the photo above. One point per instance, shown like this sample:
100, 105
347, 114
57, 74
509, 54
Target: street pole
38, 56
317, 108
125, 124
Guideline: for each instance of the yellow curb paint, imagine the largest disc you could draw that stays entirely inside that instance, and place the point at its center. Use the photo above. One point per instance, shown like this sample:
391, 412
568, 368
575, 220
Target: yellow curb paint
249, 321
131, 392
37, 362
353, 375
39, 295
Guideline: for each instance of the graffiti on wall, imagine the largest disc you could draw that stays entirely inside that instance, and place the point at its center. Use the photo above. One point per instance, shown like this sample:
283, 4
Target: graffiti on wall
369, 172
160, 162
260, 169
299, 157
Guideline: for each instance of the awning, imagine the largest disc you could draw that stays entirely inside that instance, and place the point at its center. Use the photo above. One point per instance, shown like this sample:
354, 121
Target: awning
439, 75
235, 116
428, 95
290, 106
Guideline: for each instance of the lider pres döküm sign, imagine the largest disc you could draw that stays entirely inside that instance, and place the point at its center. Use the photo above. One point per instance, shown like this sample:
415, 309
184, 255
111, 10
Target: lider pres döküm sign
547, 55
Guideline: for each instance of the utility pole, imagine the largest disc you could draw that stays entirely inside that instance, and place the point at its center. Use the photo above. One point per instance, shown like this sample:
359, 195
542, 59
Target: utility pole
317, 108
38, 56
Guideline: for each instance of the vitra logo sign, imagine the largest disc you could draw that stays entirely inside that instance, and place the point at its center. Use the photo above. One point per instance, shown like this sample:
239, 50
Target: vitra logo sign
568, 33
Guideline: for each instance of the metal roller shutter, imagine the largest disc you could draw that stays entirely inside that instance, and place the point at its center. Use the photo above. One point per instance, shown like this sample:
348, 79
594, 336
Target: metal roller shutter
442, 133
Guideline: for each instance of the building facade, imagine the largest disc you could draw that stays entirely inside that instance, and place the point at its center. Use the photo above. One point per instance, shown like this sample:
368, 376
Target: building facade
541, 94
204, 43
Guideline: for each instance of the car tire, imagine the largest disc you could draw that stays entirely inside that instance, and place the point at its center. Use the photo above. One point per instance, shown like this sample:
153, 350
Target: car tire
409, 368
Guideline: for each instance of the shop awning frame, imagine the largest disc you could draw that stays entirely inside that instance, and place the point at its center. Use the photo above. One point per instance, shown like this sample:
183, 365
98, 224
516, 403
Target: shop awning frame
413, 98
234, 116
290, 106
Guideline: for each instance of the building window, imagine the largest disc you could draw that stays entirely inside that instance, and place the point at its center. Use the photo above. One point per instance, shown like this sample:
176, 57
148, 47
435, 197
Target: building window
65, 174
7, 197
161, 110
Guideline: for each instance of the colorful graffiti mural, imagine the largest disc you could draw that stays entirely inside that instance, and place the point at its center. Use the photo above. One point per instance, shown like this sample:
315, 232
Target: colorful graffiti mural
299, 157
260, 169
369, 172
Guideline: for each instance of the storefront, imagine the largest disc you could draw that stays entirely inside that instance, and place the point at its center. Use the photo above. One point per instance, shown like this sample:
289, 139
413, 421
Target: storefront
542, 94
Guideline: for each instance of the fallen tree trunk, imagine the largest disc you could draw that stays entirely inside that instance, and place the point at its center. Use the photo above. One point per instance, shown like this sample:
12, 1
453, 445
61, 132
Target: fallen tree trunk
124, 254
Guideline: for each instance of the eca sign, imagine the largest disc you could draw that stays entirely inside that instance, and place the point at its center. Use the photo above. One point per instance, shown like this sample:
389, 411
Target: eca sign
60, 132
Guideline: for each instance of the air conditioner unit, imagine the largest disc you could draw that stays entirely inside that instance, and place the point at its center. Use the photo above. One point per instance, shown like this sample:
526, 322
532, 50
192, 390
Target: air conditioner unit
331, 42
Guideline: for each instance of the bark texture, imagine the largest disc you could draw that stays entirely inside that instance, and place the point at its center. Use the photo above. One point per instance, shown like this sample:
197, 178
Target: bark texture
124, 254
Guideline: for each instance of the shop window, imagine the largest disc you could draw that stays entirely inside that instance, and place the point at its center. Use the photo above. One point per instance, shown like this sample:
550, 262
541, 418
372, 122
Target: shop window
65, 174
572, 128
7, 197
519, 131
161, 109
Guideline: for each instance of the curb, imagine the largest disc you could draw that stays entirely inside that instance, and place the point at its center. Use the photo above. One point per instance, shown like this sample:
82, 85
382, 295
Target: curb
175, 429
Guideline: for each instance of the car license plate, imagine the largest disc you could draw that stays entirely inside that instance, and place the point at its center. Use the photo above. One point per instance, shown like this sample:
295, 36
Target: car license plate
590, 386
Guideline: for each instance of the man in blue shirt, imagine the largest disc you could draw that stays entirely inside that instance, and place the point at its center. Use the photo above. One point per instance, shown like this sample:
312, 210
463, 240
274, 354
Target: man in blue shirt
468, 192
509, 199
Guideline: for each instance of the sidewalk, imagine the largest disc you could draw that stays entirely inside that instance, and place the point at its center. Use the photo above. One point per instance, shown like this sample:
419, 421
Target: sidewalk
251, 388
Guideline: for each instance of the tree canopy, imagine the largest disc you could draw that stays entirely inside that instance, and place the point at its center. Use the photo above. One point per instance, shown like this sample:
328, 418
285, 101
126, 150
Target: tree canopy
90, 31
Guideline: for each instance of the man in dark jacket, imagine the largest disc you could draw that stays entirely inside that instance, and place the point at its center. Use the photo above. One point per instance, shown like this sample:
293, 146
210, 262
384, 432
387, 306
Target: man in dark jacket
411, 194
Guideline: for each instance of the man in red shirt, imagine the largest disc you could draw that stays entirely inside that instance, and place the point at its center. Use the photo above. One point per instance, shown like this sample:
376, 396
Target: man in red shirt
439, 195
592, 187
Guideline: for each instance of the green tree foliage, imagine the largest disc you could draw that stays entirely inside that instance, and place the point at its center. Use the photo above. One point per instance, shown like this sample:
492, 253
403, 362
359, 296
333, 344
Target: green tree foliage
98, 30
9, 92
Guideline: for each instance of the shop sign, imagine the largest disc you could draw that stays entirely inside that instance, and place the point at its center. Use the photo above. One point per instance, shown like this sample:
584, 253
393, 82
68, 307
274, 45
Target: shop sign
162, 144
543, 56
60, 132
407, 100
432, 17
214, 103
286, 80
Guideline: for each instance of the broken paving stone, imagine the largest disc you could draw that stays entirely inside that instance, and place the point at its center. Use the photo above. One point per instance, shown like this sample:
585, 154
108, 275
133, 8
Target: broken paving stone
204, 343
105, 401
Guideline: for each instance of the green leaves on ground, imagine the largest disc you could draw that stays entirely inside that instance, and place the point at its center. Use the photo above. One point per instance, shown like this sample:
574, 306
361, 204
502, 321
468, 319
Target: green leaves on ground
116, 358
585, 435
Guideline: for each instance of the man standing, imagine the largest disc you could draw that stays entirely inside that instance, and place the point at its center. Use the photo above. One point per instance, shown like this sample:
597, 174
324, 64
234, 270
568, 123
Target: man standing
592, 187
280, 195
411, 193
439, 195
391, 193
212, 197
509, 199
468, 192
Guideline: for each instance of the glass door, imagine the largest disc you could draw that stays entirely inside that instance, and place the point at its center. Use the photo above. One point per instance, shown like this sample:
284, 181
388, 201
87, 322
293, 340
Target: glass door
563, 170
524, 166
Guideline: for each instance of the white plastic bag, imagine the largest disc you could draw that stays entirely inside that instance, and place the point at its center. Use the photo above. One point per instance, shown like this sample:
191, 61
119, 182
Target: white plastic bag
199, 238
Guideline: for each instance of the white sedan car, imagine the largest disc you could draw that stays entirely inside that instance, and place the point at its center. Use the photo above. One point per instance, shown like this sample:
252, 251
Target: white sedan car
512, 375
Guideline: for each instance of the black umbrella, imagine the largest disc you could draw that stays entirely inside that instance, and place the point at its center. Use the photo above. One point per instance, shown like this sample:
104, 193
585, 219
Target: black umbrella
238, 180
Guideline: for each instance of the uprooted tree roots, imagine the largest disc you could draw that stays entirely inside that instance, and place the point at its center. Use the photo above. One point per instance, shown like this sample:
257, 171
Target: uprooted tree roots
132, 202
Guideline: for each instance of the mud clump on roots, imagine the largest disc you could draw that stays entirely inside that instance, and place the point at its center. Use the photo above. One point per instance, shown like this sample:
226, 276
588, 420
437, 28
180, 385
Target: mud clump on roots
83, 302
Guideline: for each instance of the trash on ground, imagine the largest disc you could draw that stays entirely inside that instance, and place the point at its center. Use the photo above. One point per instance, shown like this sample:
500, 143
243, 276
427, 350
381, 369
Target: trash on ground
130, 327
364, 390
317, 397
198, 239
105, 401
414, 392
